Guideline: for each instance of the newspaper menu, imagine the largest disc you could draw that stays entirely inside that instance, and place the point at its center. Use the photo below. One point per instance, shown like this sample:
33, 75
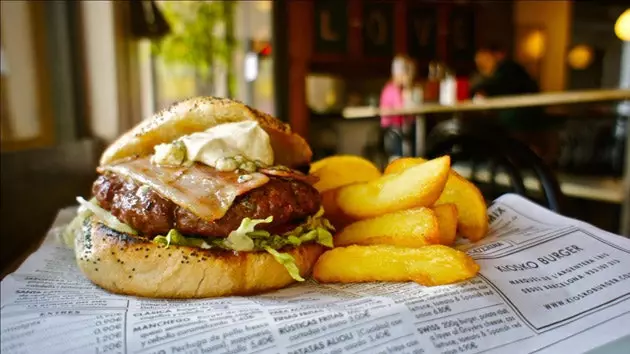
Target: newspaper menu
547, 284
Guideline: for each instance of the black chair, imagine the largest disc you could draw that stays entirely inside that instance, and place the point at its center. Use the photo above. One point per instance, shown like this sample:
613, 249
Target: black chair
492, 147
386, 143
381, 146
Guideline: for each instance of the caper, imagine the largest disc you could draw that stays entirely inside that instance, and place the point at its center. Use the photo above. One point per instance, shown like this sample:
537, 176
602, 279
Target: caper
173, 154
248, 166
244, 178
226, 164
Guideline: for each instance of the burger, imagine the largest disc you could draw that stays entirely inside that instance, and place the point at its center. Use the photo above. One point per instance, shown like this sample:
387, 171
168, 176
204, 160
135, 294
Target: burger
207, 198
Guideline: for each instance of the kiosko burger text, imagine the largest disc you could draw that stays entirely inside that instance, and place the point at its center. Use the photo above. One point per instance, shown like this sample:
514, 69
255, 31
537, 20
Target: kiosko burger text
544, 260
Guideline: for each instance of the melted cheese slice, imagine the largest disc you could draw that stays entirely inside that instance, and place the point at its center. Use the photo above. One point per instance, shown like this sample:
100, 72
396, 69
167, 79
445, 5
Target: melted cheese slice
201, 189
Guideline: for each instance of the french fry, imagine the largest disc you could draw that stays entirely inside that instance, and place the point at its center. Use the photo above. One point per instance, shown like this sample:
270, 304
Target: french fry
402, 164
472, 220
446, 215
341, 170
419, 185
415, 227
430, 265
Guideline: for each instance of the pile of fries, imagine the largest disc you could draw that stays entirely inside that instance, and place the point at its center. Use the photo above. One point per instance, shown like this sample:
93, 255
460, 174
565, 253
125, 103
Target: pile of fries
399, 225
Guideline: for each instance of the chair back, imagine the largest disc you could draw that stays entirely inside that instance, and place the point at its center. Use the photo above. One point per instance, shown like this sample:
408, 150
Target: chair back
496, 151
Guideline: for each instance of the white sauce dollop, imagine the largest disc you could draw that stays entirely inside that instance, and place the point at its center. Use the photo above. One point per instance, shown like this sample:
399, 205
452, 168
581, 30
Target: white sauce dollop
246, 139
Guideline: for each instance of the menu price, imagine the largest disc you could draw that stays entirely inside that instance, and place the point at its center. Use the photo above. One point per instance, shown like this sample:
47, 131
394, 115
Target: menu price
65, 331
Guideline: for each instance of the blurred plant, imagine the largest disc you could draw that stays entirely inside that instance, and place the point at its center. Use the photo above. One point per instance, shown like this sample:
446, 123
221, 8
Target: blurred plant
201, 36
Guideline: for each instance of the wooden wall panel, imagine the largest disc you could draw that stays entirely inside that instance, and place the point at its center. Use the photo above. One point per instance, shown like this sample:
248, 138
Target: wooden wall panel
400, 27
300, 45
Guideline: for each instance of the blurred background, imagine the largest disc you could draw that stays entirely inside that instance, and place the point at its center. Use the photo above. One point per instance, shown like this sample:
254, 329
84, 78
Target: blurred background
77, 74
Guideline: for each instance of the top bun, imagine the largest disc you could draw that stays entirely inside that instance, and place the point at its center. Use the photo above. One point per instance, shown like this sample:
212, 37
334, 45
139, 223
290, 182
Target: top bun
198, 114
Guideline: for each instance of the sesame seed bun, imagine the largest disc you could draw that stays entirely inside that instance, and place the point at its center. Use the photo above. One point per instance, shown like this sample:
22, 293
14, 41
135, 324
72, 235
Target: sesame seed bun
198, 114
130, 265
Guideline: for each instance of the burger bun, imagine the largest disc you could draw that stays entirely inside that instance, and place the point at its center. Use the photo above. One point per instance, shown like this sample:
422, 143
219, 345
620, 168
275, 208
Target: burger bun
199, 114
131, 265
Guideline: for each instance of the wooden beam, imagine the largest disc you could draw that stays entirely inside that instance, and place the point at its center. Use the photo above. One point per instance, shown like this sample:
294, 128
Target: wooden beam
300, 44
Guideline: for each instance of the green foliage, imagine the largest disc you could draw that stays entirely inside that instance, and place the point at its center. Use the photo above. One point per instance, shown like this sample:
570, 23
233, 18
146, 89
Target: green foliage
201, 35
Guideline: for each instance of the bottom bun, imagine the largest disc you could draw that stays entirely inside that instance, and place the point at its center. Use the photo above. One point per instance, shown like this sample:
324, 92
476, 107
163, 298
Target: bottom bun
125, 264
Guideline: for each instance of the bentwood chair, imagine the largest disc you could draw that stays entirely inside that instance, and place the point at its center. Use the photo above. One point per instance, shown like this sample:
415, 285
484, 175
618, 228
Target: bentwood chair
488, 147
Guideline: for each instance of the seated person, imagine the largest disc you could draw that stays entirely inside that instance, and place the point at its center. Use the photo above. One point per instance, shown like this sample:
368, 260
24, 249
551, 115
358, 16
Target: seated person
501, 76
398, 93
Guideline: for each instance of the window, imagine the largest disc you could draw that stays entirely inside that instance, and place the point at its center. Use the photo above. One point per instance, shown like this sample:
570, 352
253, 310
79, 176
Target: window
206, 54
26, 116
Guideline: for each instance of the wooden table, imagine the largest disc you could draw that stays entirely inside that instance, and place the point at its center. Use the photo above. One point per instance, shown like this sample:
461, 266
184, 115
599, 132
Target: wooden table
615, 190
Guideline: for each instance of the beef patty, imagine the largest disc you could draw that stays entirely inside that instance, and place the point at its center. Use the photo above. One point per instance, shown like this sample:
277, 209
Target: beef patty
288, 201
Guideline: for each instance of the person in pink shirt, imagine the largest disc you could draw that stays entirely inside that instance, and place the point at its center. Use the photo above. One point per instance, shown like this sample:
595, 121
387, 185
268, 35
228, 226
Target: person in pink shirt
398, 93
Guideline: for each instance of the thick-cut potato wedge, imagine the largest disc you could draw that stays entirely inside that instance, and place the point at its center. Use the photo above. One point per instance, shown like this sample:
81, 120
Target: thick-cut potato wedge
403, 163
429, 265
341, 170
446, 215
415, 227
420, 185
472, 219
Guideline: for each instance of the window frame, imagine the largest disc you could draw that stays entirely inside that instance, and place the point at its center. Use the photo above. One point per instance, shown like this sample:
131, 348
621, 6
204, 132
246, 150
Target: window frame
47, 134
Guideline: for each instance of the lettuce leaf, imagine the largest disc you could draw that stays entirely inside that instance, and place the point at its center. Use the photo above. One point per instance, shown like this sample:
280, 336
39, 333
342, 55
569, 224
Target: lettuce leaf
239, 240
287, 261
106, 217
246, 238
73, 228
324, 237
176, 238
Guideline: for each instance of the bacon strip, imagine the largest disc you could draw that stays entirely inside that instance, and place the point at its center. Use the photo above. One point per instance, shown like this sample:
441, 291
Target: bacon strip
292, 174
203, 190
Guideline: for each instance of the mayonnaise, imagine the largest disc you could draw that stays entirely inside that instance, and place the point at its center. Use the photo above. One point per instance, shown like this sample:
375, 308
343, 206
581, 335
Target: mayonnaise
246, 139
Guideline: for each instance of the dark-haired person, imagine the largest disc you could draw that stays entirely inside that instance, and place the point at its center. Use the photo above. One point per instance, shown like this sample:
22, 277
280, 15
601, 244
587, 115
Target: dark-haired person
502, 76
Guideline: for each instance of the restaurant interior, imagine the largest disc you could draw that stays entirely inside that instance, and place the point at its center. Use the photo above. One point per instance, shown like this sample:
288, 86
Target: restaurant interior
377, 79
